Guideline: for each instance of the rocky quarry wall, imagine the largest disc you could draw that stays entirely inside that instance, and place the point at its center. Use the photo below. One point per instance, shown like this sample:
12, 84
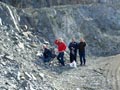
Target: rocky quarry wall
49, 3
24, 30
97, 23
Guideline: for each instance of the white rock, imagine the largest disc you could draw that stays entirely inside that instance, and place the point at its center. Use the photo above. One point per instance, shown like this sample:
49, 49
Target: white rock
22, 77
34, 78
27, 33
39, 53
46, 42
42, 75
31, 88
9, 39
21, 45
5, 72
9, 57
77, 88
1, 56
0, 21
13, 86
3, 63
28, 75
7, 33
18, 76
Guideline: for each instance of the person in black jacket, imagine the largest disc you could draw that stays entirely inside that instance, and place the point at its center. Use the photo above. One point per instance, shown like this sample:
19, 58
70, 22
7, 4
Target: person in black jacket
73, 50
47, 54
81, 47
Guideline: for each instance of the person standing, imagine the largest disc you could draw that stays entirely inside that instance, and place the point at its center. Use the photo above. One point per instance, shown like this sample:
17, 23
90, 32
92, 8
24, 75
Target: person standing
81, 47
73, 50
61, 49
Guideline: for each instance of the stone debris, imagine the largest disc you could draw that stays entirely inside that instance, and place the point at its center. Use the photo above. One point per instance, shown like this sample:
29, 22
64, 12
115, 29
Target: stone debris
21, 45
39, 53
27, 34
46, 42
77, 88
20, 48
42, 76
28, 75
33, 77
9, 57
19, 76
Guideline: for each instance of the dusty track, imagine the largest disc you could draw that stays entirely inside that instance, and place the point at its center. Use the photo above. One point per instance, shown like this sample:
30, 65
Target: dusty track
111, 67
101, 74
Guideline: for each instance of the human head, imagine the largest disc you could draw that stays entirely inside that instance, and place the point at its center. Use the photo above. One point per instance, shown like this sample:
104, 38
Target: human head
82, 40
44, 46
73, 39
60, 40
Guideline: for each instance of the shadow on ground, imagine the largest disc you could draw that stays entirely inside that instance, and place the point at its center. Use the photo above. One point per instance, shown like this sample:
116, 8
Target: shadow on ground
54, 66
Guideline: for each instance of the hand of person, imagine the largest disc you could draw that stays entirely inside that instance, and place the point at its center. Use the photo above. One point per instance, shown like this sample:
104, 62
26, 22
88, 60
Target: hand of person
72, 48
57, 40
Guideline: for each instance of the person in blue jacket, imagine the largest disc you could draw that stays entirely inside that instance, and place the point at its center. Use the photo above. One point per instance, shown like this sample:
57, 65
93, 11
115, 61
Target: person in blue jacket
73, 50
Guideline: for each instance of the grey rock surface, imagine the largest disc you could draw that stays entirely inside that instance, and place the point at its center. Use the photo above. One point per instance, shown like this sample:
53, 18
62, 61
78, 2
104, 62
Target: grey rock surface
23, 31
99, 27
49, 3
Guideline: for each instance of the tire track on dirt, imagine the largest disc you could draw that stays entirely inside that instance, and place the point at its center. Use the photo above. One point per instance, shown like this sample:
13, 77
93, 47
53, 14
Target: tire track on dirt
112, 72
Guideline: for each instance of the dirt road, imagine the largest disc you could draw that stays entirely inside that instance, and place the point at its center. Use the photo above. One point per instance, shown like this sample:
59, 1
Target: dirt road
111, 67
101, 73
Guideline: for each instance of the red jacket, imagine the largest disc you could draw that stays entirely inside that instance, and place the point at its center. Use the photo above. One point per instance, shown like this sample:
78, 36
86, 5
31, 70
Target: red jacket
61, 46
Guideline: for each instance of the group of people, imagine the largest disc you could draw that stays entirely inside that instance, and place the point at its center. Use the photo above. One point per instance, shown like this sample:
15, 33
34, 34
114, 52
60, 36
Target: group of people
73, 47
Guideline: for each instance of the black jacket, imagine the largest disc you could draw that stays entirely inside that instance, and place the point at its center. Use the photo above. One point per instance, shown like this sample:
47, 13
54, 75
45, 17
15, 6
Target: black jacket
47, 53
81, 47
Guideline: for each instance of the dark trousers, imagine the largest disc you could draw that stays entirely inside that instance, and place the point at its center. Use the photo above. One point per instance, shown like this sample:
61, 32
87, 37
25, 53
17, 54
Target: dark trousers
60, 57
72, 57
47, 59
75, 58
82, 58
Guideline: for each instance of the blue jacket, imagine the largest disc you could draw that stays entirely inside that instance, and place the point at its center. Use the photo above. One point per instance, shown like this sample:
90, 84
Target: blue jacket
73, 46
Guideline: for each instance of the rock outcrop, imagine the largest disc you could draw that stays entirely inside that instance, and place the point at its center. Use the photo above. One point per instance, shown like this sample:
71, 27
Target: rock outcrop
23, 31
49, 3
97, 23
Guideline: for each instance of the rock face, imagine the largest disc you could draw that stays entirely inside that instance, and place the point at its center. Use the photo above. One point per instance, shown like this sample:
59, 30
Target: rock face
48, 3
99, 27
23, 31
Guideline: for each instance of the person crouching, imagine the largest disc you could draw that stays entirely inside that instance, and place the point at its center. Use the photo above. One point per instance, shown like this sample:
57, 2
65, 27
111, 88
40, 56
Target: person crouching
46, 54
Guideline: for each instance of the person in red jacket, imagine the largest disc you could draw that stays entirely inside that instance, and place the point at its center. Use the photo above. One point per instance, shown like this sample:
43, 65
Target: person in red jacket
61, 49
